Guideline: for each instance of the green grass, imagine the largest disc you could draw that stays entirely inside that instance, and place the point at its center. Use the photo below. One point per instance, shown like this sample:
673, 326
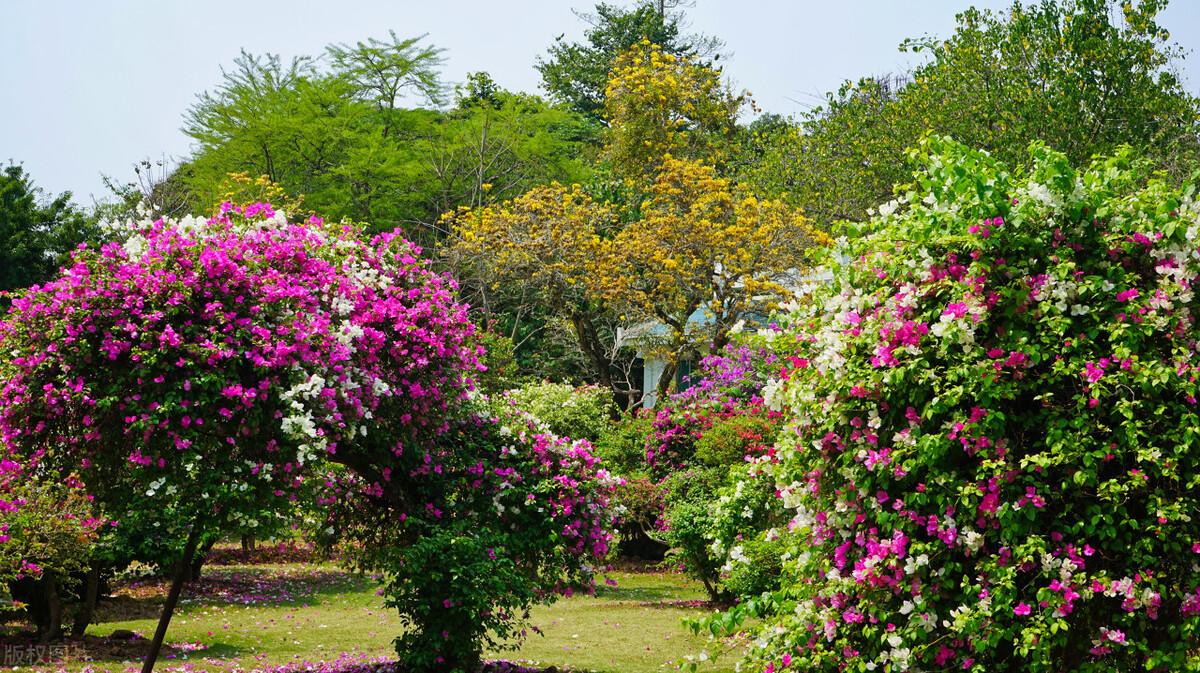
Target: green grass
623, 629
632, 628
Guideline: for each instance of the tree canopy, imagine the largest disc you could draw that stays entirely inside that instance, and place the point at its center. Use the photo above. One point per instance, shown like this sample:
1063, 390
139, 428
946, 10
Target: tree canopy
1084, 76
339, 136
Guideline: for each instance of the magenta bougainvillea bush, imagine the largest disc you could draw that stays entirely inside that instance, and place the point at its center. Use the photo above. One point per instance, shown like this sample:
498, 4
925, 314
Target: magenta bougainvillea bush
216, 367
993, 444
208, 361
702, 440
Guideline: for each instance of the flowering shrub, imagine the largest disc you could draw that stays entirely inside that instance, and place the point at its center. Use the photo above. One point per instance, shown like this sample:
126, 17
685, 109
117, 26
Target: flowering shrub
753, 567
704, 438
622, 445
685, 525
991, 451
729, 439
725, 388
472, 532
744, 520
48, 526
205, 367
641, 504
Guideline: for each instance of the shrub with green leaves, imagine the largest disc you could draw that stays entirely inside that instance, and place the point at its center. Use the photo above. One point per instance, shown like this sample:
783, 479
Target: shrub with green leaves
47, 527
729, 439
754, 566
639, 499
993, 449
745, 520
689, 494
583, 412
622, 445
500, 360
497, 518
640, 502
704, 438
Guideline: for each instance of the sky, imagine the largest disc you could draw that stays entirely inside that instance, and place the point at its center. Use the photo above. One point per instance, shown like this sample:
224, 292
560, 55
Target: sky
89, 87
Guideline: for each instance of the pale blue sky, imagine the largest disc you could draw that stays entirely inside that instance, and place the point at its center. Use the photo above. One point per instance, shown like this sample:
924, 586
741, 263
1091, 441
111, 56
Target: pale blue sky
91, 86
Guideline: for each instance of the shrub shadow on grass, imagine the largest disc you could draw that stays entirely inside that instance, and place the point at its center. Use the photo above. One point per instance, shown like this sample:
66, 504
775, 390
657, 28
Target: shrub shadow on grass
241, 585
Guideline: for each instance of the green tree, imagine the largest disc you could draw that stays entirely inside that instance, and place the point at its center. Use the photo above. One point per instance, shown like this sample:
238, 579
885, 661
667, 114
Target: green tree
37, 231
339, 137
496, 144
286, 121
382, 71
576, 73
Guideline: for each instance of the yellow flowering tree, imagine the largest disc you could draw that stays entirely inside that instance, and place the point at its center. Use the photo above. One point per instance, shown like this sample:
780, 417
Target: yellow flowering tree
680, 246
701, 259
539, 248
658, 103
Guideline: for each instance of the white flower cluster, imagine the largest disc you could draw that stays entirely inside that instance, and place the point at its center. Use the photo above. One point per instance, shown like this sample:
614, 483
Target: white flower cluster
894, 659
300, 424
1061, 293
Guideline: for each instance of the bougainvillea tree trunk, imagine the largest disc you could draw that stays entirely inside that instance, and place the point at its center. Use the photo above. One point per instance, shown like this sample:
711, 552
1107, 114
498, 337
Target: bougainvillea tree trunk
87, 609
182, 569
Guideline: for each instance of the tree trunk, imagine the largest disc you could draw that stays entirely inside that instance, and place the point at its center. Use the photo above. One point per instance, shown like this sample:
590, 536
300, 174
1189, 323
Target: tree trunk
710, 588
197, 562
48, 587
589, 343
248, 542
181, 570
665, 379
91, 594
720, 339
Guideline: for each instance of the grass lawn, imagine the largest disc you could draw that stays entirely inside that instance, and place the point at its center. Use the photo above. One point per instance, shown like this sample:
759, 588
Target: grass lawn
242, 617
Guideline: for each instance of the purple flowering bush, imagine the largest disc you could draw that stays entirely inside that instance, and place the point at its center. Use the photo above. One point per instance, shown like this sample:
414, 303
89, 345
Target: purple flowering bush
726, 388
993, 444
207, 362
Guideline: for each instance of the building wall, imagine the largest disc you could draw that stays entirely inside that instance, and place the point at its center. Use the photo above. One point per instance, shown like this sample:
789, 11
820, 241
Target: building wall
650, 373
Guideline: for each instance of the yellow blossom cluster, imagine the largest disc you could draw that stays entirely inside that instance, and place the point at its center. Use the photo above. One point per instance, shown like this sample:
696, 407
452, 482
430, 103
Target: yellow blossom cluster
242, 188
549, 237
701, 246
657, 103
697, 245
